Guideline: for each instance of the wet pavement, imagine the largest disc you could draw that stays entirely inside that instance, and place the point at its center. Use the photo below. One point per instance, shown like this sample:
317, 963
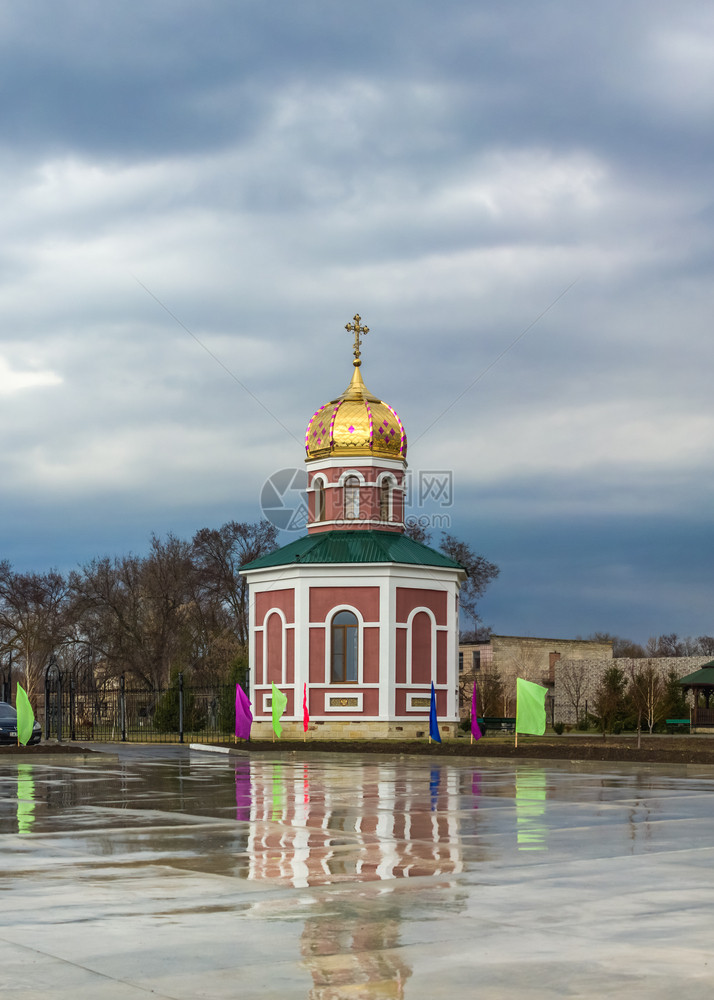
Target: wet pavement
183, 874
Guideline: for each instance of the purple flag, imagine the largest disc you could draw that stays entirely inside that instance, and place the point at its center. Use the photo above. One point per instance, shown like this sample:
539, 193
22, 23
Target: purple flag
475, 728
244, 716
243, 793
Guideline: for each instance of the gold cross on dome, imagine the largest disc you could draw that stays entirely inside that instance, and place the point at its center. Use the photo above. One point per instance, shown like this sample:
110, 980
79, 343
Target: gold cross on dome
357, 330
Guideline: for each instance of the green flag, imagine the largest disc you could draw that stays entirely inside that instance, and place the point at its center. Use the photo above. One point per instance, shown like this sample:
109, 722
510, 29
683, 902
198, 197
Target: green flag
279, 704
530, 707
25, 715
25, 798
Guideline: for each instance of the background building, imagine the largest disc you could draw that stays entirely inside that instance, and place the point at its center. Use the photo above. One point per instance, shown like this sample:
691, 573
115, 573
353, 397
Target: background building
500, 659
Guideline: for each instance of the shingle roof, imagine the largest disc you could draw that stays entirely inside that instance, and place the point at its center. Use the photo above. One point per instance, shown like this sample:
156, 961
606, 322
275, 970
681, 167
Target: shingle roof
354, 546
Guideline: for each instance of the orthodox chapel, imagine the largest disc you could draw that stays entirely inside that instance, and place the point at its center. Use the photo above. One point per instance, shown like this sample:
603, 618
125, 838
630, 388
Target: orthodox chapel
355, 620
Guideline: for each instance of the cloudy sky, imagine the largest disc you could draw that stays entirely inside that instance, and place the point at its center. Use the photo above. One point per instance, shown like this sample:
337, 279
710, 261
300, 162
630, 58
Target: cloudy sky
517, 198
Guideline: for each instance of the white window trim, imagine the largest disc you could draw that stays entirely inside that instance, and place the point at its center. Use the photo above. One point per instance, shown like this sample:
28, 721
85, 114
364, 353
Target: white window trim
357, 506
359, 707
284, 645
328, 643
382, 478
351, 472
410, 633
321, 478
411, 695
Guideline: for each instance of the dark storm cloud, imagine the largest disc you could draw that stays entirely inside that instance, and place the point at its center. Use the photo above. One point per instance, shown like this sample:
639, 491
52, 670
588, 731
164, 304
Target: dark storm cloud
137, 79
265, 171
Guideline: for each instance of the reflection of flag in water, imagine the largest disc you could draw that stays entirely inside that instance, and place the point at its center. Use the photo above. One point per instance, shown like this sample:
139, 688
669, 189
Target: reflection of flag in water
25, 716
305, 713
434, 782
278, 792
279, 704
25, 798
243, 793
433, 723
475, 728
530, 809
476, 787
244, 716
530, 707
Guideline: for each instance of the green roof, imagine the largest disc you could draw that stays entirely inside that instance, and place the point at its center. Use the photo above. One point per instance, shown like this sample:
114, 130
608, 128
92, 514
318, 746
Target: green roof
703, 676
354, 546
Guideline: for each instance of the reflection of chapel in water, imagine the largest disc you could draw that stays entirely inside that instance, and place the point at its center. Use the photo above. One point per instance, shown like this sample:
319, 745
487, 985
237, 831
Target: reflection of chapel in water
368, 822
303, 833
356, 616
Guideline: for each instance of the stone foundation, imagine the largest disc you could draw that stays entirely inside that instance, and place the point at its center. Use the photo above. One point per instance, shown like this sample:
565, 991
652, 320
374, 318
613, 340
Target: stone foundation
349, 730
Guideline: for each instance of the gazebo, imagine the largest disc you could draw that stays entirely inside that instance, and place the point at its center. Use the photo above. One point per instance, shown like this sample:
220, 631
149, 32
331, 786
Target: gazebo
701, 682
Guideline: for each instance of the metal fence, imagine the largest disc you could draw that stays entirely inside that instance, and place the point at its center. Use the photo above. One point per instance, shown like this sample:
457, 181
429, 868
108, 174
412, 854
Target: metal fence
112, 711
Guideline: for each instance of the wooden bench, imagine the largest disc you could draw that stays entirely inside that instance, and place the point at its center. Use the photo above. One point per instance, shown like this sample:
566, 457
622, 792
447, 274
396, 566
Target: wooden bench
498, 725
677, 722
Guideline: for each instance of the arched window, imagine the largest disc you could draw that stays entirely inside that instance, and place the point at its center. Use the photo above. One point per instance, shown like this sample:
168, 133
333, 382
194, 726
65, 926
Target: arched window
345, 639
385, 497
351, 498
319, 500
273, 632
421, 643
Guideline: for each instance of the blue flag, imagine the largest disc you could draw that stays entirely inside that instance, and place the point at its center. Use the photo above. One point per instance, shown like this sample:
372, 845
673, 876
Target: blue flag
433, 724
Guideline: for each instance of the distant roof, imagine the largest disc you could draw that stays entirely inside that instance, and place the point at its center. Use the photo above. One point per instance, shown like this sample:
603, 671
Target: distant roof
354, 546
538, 638
703, 677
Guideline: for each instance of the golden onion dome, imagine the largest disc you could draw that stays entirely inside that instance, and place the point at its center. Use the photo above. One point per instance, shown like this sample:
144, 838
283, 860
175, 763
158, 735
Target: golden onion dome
357, 423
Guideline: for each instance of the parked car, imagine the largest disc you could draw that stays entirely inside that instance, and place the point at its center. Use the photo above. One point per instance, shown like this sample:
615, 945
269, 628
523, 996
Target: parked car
8, 726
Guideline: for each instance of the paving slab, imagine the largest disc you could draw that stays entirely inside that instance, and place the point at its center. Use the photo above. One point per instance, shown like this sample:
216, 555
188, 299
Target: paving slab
182, 874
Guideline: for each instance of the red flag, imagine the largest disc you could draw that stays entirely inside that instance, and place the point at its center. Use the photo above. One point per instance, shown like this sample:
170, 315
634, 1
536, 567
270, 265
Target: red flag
305, 713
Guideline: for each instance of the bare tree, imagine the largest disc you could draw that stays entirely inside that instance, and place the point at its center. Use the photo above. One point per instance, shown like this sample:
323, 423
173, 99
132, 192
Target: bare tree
706, 645
137, 612
34, 619
621, 647
573, 680
220, 553
491, 694
523, 661
417, 532
665, 645
647, 690
480, 573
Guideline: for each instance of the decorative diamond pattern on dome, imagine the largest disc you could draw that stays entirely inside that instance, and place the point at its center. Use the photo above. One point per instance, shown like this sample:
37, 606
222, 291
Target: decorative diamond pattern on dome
357, 423
351, 427
317, 436
402, 433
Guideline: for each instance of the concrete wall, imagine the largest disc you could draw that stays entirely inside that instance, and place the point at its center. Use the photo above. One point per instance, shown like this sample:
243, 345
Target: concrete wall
590, 671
